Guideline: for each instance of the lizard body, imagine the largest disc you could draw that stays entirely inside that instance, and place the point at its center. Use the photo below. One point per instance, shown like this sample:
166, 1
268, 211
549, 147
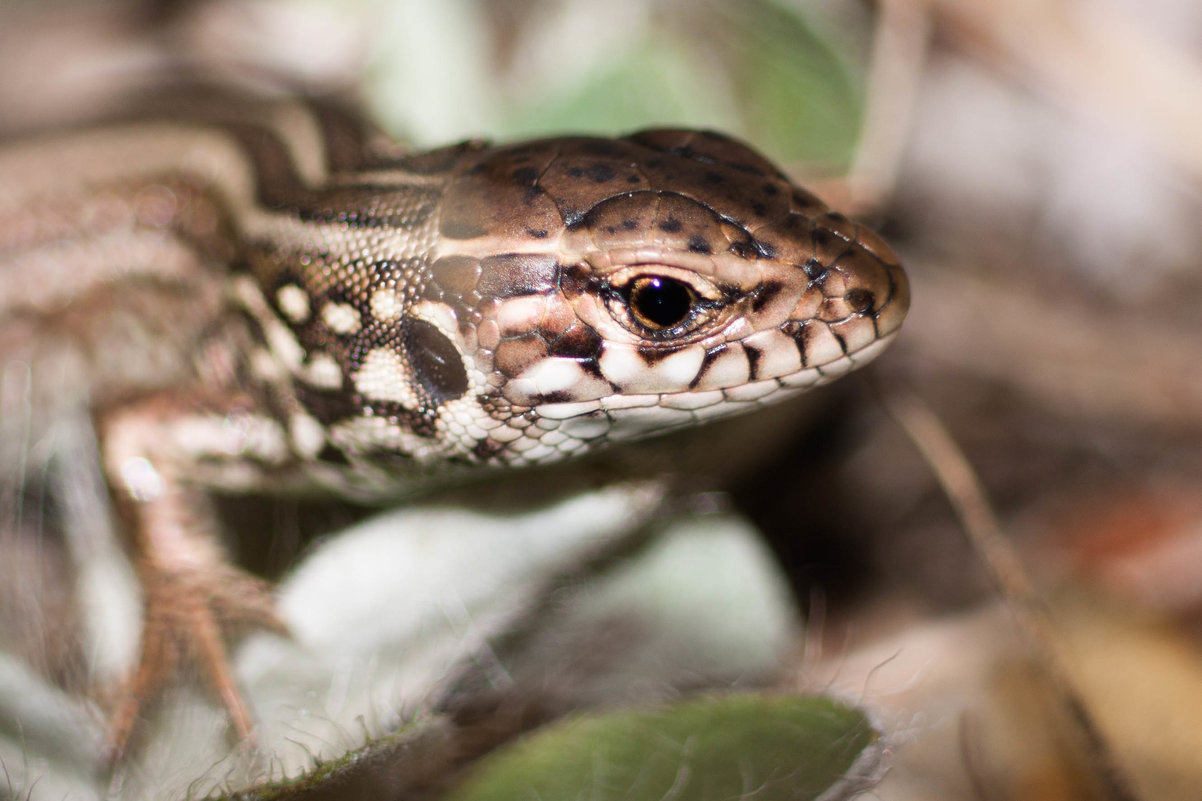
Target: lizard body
263, 295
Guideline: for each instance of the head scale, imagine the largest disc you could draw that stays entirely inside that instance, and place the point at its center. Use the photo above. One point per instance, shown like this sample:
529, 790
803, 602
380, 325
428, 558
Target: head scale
580, 291
628, 286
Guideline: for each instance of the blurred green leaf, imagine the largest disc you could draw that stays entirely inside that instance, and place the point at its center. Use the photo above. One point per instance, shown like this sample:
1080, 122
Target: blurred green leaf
657, 81
772, 748
795, 91
754, 69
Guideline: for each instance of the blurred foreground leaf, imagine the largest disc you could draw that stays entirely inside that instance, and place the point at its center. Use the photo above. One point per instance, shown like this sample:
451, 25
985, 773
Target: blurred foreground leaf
772, 748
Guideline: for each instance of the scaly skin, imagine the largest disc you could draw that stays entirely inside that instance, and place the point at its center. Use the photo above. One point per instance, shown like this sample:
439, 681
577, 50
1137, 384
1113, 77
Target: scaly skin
262, 296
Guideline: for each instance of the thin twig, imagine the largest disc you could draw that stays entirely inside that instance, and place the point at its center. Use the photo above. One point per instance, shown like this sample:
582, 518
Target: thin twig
964, 490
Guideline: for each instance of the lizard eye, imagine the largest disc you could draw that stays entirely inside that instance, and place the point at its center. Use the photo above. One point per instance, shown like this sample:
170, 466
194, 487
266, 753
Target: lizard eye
658, 303
667, 305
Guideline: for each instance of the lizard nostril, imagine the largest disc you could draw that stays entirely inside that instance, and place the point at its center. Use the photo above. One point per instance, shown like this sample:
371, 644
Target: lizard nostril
860, 300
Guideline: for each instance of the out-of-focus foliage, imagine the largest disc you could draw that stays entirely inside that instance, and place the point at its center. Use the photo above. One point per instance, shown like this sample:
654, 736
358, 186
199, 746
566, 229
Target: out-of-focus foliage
771, 749
759, 68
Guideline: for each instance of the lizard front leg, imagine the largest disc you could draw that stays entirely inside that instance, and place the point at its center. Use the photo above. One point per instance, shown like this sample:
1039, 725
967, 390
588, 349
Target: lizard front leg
194, 599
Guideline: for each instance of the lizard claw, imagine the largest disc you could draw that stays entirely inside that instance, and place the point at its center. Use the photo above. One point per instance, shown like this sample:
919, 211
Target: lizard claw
189, 616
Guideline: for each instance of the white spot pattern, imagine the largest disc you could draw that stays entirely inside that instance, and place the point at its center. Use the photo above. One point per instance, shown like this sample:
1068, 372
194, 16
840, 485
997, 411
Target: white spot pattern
341, 318
307, 434
385, 305
382, 377
293, 302
324, 371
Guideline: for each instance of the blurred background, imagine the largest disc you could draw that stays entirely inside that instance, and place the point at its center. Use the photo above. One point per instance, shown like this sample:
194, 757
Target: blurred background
1038, 166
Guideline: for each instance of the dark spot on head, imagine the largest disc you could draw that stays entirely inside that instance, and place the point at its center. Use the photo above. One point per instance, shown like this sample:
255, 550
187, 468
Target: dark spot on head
765, 293
558, 396
328, 406
802, 333
712, 177
711, 356
537, 233
601, 173
743, 248
435, 360
533, 193
805, 335
813, 269
765, 250
592, 367
670, 225
824, 240
331, 455
754, 357
841, 340
805, 200
859, 299
341, 294
758, 209
630, 224
579, 342
485, 449
525, 176
698, 244
792, 222
632, 179
653, 356
770, 189
576, 172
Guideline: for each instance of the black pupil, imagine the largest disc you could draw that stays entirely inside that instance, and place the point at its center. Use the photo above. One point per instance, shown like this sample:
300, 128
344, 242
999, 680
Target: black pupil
660, 302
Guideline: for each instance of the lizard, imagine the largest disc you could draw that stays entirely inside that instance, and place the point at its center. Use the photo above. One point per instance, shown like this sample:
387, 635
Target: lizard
267, 295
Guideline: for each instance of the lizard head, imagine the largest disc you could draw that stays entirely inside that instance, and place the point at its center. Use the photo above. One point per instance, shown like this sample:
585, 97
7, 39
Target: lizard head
579, 291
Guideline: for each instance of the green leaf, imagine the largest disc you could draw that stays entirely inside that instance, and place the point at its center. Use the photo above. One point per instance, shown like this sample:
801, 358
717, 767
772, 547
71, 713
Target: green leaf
797, 93
757, 69
771, 748
658, 80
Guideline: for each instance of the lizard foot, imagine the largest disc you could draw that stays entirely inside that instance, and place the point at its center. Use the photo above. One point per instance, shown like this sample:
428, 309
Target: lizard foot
189, 615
